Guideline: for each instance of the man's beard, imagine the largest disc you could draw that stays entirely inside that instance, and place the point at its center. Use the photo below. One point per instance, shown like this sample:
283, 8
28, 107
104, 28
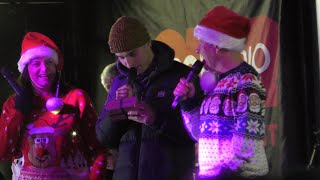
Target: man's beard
255, 108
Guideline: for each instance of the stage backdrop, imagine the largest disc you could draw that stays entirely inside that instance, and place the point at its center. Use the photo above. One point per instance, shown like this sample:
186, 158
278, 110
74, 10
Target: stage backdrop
173, 22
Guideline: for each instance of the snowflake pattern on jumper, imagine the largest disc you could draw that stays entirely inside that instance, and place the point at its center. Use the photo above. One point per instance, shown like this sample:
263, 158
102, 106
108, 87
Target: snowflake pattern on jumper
231, 125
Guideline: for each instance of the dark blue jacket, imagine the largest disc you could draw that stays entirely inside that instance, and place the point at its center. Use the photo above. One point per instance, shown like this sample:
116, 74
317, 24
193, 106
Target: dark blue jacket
161, 151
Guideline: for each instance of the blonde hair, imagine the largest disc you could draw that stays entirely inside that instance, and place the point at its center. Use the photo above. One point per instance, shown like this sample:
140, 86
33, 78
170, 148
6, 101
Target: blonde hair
108, 74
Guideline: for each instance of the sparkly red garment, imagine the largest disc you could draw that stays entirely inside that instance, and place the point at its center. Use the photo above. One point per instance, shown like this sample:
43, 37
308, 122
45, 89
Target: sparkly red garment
65, 142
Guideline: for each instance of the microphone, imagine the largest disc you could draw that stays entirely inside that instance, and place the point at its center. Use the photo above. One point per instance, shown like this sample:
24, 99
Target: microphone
7, 74
196, 68
132, 75
117, 109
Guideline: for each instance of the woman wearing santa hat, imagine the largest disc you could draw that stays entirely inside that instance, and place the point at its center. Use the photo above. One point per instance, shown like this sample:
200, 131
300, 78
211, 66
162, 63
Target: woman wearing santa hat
229, 125
48, 128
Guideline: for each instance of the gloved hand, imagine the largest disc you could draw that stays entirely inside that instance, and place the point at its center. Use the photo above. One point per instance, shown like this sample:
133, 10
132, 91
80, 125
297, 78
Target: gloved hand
24, 102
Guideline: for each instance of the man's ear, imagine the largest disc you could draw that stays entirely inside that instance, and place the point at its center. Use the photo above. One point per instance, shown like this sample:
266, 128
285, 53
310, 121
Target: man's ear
221, 50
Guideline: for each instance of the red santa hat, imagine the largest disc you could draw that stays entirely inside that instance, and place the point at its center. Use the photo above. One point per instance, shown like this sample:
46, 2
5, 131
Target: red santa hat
224, 28
254, 93
34, 45
242, 92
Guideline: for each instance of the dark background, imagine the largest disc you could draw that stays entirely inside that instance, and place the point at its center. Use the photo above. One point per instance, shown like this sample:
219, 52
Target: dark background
80, 29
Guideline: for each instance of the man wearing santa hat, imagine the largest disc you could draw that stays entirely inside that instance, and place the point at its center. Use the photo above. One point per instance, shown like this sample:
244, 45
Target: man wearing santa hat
231, 138
47, 128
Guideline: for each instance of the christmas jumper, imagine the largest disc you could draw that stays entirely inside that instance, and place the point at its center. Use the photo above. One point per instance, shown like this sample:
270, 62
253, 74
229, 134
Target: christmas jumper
43, 145
229, 125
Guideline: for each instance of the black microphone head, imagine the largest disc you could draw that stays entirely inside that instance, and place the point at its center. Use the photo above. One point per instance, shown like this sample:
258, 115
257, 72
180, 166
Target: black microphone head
8, 75
132, 75
197, 66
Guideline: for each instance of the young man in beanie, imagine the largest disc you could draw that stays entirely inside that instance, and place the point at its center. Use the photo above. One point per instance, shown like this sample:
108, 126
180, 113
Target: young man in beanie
230, 134
47, 128
152, 141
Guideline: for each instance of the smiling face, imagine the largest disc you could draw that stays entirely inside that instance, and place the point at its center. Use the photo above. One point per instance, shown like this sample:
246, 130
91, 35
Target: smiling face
140, 58
42, 152
42, 73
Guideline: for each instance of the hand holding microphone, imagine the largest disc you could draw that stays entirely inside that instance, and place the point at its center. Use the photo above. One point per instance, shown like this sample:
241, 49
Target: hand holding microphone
125, 106
185, 88
127, 90
124, 92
